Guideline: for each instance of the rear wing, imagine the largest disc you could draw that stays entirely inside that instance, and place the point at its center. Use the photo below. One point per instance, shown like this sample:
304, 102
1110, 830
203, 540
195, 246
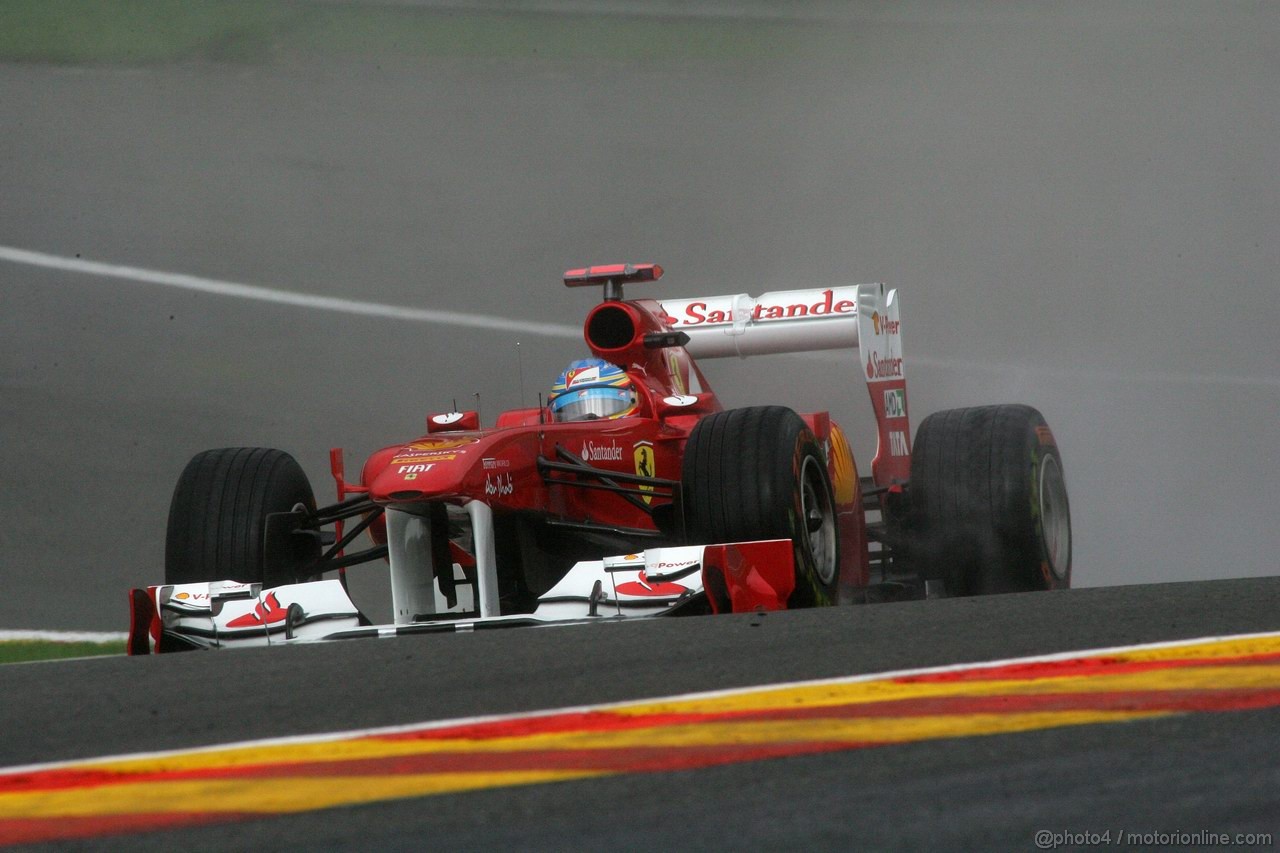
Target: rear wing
863, 318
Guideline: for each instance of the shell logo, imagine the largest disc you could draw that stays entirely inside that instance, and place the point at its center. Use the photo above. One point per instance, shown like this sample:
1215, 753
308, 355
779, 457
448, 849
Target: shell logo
439, 443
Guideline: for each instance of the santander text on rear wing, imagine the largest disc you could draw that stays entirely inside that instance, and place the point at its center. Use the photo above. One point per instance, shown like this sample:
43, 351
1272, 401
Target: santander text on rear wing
863, 318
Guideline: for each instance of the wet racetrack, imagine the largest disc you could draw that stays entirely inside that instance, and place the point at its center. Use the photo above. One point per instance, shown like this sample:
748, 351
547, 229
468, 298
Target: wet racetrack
1078, 206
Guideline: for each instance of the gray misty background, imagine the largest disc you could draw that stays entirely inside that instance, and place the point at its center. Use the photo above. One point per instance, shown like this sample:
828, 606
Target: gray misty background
1079, 202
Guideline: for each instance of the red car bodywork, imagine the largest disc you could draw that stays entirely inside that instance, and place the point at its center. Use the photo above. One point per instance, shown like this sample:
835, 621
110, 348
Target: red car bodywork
456, 461
514, 524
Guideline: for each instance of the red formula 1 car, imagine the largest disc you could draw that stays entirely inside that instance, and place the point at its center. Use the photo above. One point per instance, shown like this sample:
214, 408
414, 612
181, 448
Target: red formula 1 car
632, 492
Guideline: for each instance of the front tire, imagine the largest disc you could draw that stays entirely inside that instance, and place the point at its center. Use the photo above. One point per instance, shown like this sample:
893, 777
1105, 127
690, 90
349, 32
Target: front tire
758, 473
989, 501
218, 518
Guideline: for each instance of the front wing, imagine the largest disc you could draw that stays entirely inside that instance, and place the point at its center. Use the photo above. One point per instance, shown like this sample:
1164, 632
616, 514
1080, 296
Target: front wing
731, 577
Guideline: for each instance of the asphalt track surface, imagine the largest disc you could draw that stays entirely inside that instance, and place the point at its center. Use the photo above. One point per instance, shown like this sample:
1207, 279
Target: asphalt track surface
1209, 772
1079, 207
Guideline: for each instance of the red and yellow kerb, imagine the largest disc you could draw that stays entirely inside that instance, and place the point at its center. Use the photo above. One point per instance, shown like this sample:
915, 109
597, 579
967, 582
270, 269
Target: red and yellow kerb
251, 780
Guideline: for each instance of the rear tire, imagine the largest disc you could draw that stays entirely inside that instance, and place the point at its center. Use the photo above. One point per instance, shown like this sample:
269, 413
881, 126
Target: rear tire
989, 502
758, 473
217, 519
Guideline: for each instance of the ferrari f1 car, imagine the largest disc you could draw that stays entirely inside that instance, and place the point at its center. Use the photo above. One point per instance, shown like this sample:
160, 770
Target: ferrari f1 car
630, 493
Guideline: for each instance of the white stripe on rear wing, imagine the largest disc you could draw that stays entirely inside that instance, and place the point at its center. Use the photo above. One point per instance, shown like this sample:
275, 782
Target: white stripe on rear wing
863, 318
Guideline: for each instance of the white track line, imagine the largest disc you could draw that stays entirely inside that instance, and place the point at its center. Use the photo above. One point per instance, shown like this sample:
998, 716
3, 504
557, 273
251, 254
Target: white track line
286, 297
63, 636
604, 706
557, 330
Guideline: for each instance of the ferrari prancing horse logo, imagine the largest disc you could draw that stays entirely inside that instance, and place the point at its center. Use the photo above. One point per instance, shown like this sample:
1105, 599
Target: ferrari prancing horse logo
645, 465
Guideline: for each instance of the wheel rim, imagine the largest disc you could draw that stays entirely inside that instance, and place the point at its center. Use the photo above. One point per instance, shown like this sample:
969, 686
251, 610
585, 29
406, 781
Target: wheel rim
1055, 517
819, 520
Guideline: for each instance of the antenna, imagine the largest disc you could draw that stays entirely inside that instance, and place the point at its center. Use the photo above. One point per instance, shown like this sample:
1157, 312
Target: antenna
479, 417
520, 372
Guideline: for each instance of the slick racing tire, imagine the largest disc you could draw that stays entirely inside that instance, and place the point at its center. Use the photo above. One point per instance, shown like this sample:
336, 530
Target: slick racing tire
218, 519
758, 473
989, 502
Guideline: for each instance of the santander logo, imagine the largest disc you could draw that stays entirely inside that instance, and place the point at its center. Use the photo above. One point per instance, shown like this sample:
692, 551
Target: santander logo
883, 368
592, 452
699, 313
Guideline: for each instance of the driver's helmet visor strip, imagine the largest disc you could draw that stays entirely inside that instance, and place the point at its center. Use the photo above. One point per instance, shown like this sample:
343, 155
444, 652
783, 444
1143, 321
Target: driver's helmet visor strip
593, 403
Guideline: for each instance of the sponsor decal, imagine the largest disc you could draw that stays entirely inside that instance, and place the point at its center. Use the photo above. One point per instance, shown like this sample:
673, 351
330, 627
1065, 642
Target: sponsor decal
582, 376
643, 586
642, 455
632, 557
448, 418
895, 403
668, 566
498, 484
435, 444
267, 612
883, 325
192, 596
883, 368
680, 400
898, 444
411, 471
695, 316
489, 463
1045, 435
677, 377
592, 452
420, 456
697, 313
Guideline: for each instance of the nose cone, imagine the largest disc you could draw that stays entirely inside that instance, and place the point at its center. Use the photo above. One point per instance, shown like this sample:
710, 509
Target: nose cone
431, 467
499, 468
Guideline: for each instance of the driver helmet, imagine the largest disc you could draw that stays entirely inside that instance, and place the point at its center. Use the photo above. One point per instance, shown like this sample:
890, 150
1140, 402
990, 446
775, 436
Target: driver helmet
591, 388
